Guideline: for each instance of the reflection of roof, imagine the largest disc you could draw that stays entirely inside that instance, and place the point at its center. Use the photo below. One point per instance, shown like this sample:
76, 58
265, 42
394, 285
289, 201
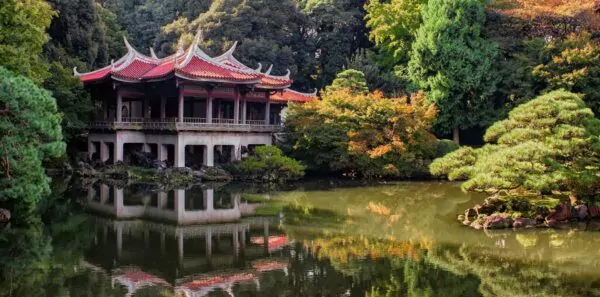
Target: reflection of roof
203, 286
269, 265
135, 280
275, 242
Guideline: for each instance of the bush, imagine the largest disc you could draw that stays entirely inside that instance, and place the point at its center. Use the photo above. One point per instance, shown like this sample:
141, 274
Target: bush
445, 146
267, 164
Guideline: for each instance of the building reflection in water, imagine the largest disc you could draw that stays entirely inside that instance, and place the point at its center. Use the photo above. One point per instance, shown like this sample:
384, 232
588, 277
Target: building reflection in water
186, 254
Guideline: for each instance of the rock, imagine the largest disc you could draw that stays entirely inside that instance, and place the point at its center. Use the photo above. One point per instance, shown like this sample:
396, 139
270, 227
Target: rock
519, 204
551, 223
560, 213
470, 213
477, 225
499, 221
524, 223
4, 215
486, 209
594, 211
461, 218
582, 211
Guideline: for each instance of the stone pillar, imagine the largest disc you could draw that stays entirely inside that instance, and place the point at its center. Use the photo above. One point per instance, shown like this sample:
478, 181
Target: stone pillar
236, 243
91, 149
146, 148
162, 200
236, 153
236, 107
244, 109
208, 240
268, 109
209, 196
179, 153
163, 107
179, 204
209, 156
266, 238
180, 246
118, 147
119, 110
162, 152
180, 106
209, 107
104, 154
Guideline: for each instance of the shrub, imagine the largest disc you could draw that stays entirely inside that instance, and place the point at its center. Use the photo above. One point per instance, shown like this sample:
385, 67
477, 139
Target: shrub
268, 164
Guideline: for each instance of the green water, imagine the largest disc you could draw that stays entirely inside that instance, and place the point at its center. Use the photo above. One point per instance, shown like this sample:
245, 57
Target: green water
397, 239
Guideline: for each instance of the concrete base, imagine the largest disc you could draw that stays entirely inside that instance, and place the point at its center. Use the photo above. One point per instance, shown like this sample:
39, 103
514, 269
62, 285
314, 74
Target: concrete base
180, 140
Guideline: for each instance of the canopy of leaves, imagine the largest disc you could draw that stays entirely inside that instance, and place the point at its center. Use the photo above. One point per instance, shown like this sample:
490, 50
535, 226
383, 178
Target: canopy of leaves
549, 143
351, 79
30, 131
452, 62
393, 27
23, 25
362, 134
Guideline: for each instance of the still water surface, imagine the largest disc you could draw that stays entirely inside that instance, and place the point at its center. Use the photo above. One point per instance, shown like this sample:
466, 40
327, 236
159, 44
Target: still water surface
398, 239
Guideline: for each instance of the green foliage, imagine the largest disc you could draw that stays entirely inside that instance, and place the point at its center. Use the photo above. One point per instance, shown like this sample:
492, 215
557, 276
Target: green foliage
350, 79
452, 62
378, 78
30, 126
23, 26
445, 146
268, 164
549, 143
393, 27
362, 134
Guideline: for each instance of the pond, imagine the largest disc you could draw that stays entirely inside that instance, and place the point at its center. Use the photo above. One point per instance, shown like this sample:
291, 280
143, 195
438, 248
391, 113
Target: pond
398, 239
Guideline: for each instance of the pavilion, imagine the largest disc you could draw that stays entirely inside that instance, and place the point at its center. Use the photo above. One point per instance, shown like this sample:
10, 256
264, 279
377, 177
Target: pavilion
185, 106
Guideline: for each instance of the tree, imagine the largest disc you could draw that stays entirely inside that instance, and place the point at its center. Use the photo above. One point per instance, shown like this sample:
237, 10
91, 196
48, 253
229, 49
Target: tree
351, 79
549, 143
378, 78
23, 26
452, 62
393, 27
270, 32
268, 164
362, 134
339, 31
30, 125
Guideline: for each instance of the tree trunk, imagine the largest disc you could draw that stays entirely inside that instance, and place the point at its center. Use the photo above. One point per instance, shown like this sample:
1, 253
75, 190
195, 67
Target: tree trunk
456, 135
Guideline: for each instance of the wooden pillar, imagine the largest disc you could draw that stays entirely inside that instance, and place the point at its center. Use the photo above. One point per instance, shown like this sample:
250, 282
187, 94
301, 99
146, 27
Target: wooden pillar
146, 109
163, 107
209, 107
180, 105
119, 107
268, 109
105, 110
236, 107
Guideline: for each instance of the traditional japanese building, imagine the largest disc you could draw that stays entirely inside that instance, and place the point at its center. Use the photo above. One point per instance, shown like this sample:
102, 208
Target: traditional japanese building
188, 105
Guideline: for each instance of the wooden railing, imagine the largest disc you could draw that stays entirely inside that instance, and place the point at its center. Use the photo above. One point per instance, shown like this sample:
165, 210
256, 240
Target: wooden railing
188, 124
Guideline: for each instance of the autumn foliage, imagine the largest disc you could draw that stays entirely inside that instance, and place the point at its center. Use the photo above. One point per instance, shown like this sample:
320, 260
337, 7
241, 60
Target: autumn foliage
363, 134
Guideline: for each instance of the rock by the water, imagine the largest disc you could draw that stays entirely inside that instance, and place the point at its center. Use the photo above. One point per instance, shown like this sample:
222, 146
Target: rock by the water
477, 224
485, 209
470, 213
594, 211
524, 223
499, 221
562, 212
4, 215
581, 211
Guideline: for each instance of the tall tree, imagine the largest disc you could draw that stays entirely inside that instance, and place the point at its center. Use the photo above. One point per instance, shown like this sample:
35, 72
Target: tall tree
352, 80
23, 26
393, 27
30, 131
339, 31
452, 61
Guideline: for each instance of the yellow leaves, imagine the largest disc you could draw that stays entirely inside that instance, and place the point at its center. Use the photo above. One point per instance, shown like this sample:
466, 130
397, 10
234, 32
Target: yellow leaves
379, 209
380, 151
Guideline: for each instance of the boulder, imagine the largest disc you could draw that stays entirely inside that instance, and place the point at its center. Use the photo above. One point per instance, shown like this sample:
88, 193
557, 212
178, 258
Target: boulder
562, 212
477, 224
594, 211
4, 215
485, 209
499, 221
524, 223
470, 213
581, 212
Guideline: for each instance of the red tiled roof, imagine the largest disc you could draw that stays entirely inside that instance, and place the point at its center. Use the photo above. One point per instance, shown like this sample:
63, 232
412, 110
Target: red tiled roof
133, 70
200, 66
288, 95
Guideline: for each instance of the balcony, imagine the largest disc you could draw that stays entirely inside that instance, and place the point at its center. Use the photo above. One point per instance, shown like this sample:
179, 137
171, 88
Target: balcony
188, 124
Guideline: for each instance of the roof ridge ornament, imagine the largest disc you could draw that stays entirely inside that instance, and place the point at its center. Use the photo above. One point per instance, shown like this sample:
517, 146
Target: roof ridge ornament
230, 51
259, 68
127, 44
269, 70
192, 49
153, 54
315, 92
76, 73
